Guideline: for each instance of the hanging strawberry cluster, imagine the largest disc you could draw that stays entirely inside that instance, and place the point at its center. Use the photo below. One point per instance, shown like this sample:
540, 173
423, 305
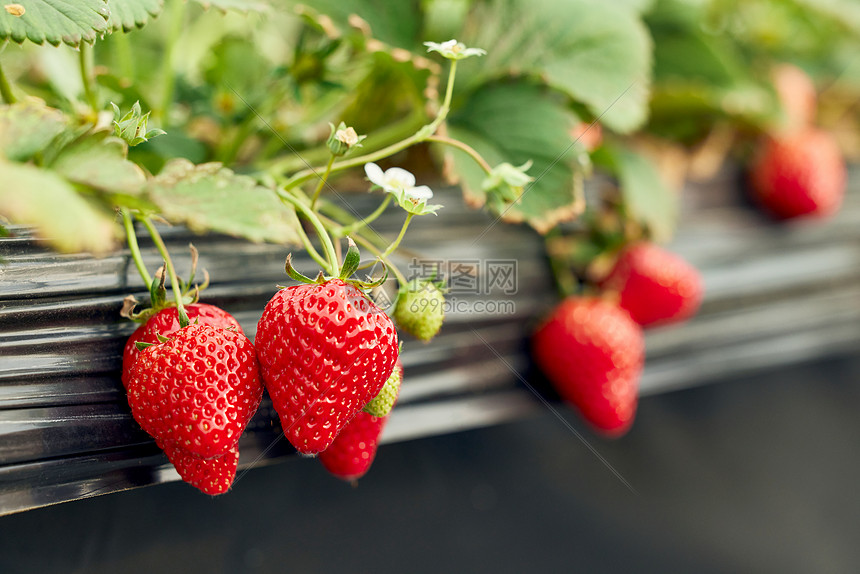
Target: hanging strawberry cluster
327, 355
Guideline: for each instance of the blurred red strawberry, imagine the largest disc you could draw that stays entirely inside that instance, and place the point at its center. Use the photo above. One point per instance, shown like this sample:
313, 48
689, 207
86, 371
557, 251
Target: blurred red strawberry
799, 174
593, 353
654, 285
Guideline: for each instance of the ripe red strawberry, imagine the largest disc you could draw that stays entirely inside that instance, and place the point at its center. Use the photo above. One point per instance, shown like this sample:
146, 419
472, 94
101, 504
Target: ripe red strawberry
655, 286
211, 476
593, 353
325, 350
802, 173
198, 390
350, 455
166, 322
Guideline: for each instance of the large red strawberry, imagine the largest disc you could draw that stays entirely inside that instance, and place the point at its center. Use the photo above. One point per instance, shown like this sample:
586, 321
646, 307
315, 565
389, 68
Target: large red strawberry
211, 476
325, 350
593, 353
166, 322
350, 455
198, 390
654, 285
802, 173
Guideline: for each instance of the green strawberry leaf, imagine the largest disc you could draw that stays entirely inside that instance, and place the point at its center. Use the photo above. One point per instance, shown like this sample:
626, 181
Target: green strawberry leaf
54, 21
646, 197
596, 52
209, 197
517, 123
27, 128
64, 219
99, 161
126, 15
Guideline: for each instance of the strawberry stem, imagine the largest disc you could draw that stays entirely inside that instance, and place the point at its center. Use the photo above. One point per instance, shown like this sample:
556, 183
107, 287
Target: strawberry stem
168, 263
332, 266
422, 135
6, 88
397, 241
473, 153
367, 244
350, 229
323, 179
133, 247
86, 60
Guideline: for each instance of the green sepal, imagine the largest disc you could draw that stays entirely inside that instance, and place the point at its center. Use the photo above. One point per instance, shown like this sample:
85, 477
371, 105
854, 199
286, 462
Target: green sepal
141, 345
371, 284
157, 292
351, 260
295, 275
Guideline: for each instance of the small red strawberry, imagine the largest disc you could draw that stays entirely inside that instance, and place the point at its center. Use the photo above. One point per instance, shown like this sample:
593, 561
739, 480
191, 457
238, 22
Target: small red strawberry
654, 285
593, 353
212, 476
802, 173
325, 350
166, 322
198, 390
350, 455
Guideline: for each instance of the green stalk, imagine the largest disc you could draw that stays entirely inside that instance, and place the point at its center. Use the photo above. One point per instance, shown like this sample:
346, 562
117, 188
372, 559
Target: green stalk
473, 153
383, 137
397, 241
350, 229
168, 77
124, 58
328, 247
323, 179
309, 247
168, 263
6, 89
446, 104
85, 53
422, 135
133, 247
364, 242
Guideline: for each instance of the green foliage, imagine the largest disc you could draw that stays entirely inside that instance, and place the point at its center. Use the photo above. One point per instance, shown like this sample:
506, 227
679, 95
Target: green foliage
98, 160
132, 126
56, 21
517, 123
127, 15
26, 128
209, 197
646, 198
596, 52
62, 217
237, 5
396, 23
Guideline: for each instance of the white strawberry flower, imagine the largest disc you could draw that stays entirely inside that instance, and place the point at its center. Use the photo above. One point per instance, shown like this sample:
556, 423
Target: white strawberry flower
401, 184
454, 50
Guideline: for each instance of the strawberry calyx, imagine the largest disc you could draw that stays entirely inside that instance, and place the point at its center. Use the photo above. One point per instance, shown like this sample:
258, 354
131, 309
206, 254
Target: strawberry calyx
351, 263
190, 292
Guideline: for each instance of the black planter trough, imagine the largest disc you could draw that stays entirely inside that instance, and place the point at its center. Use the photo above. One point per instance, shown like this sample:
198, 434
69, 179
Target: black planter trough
776, 294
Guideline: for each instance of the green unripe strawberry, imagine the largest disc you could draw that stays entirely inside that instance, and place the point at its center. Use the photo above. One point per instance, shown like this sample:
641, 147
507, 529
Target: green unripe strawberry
420, 309
381, 404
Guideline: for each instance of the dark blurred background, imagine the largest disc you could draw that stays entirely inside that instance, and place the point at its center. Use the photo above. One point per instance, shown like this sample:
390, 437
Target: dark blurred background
755, 474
